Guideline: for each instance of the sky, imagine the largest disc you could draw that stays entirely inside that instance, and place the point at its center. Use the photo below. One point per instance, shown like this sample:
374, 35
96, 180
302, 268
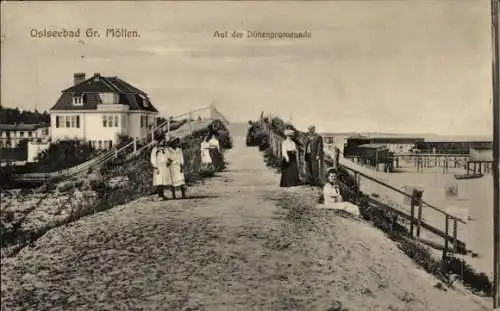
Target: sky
380, 66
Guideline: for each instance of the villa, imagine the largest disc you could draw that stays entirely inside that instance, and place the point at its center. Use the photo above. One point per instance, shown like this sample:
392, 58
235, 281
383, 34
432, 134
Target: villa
100, 109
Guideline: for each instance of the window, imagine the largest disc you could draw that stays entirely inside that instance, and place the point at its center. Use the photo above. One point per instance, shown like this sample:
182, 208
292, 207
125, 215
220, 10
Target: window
73, 121
100, 144
110, 121
104, 121
77, 121
144, 121
68, 121
30, 134
116, 121
78, 100
21, 134
124, 121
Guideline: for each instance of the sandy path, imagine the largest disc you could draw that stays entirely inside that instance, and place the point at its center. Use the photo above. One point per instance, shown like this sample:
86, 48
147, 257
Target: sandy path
230, 247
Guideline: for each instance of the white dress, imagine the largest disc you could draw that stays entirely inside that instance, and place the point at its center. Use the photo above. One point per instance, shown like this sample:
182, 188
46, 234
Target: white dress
175, 176
159, 162
331, 193
205, 153
333, 200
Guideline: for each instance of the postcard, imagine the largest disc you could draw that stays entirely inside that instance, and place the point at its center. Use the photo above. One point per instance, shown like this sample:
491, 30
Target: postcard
249, 155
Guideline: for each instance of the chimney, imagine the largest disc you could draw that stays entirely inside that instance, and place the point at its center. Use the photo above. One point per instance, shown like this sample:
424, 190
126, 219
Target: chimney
79, 77
97, 76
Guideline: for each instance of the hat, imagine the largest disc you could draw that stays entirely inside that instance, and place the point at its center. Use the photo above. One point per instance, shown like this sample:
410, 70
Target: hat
312, 127
288, 132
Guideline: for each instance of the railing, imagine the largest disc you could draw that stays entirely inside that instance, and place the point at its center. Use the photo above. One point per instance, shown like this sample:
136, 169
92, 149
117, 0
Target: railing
416, 210
415, 215
112, 154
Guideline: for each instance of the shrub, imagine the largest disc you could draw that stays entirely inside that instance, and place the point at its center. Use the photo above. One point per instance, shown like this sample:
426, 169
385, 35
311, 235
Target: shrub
63, 155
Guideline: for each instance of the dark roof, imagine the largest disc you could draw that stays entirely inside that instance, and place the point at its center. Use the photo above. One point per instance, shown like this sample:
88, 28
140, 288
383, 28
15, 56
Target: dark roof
21, 127
358, 136
373, 146
90, 88
396, 139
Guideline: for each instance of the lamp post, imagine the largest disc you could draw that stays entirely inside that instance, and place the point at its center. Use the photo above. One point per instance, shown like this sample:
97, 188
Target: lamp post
496, 152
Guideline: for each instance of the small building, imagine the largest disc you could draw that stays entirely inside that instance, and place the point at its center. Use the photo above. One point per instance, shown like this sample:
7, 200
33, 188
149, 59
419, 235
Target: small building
11, 135
395, 144
452, 146
100, 109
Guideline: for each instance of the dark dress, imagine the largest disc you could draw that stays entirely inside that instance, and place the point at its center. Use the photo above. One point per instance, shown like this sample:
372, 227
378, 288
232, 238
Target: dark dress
290, 171
217, 160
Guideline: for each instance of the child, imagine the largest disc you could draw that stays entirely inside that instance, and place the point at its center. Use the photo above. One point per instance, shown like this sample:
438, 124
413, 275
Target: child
175, 165
331, 190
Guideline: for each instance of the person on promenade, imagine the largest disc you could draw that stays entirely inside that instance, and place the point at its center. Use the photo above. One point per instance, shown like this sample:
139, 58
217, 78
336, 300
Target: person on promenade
289, 166
331, 190
159, 163
175, 178
215, 151
336, 151
206, 159
332, 196
314, 156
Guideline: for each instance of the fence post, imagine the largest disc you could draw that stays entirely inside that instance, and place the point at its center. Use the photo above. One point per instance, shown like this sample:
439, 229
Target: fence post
135, 144
168, 125
455, 229
190, 125
412, 207
446, 239
419, 220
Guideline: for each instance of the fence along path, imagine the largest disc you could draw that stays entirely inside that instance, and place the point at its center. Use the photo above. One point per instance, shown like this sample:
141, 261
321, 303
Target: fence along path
129, 150
414, 215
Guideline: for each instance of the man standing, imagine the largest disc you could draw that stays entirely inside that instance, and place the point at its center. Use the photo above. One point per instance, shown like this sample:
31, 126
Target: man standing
337, 157
314, 156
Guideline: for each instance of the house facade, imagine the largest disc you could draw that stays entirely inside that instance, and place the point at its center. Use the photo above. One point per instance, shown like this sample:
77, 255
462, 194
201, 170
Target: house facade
11, 135
100, 109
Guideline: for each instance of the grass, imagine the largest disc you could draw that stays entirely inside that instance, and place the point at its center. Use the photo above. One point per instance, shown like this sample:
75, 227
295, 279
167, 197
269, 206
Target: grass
382, 218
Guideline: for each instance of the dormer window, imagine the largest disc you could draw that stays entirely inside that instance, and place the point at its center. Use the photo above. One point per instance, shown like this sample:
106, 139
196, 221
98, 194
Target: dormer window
145, 100
78, 100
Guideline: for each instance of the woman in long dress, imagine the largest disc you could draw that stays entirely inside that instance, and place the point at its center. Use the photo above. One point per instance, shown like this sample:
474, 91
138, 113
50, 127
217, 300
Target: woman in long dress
215, 152
289, 166
175, 166
206, 159
159, 163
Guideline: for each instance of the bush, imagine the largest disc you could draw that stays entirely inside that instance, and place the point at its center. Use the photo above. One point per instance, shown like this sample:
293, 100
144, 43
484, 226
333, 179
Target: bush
63, 155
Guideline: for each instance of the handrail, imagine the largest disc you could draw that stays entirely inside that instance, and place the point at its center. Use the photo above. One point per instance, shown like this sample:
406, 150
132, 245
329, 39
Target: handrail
460, 155
400, 192
106, 156
388, 186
